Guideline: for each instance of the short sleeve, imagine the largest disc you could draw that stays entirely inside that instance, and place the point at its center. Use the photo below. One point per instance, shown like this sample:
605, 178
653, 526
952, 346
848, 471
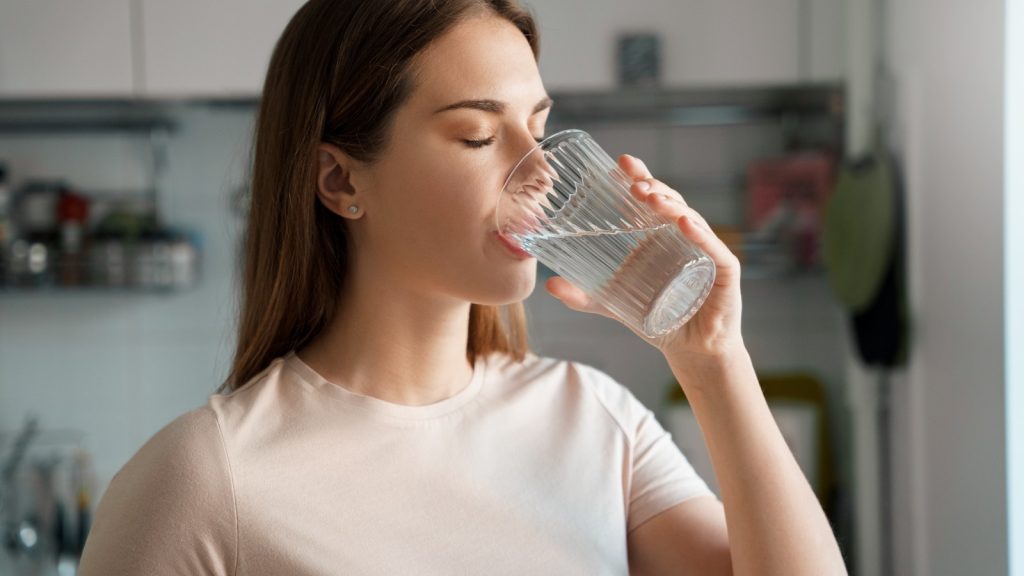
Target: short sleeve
170, 509
660, 476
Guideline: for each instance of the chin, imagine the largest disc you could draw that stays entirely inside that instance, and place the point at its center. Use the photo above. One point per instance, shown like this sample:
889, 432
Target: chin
509, 287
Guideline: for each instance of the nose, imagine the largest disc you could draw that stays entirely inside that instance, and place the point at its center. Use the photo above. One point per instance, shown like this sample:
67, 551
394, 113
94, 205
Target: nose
524, 199
537, 172
530, 165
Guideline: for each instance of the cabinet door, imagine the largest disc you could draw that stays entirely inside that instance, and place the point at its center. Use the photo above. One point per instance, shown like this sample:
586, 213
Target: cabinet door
65, 48
704, 42
736, 42
826, 37
198, 48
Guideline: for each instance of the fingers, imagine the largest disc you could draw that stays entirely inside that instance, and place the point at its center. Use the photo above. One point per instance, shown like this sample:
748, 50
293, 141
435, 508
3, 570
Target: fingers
697, 231
672, 207
644, 184
669, 203
652, 191
633, 167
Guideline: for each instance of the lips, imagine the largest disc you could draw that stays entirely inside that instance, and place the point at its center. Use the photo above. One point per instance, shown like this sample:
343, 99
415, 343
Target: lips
512, 247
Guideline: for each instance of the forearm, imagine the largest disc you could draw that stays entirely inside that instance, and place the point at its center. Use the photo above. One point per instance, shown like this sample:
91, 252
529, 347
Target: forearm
775, 523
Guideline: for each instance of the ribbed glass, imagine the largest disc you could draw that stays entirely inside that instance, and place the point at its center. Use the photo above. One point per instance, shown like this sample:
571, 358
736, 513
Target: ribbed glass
568, 204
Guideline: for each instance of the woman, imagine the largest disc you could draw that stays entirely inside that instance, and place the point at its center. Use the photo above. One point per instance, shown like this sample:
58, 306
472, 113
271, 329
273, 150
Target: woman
383, 414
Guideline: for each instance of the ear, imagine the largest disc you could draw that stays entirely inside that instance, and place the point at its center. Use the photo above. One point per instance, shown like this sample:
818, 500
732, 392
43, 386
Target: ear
338, 186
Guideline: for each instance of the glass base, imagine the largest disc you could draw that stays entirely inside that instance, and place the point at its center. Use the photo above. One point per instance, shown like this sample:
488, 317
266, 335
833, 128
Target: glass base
680, 299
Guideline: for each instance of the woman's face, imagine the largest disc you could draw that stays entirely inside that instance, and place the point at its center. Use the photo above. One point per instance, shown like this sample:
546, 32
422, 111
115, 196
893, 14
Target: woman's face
478, 105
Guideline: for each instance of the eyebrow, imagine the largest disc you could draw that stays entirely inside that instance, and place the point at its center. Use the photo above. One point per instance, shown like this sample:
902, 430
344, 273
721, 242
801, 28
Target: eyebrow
492, 106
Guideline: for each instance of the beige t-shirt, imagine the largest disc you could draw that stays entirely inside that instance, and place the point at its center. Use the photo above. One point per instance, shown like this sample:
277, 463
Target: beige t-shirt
538, 467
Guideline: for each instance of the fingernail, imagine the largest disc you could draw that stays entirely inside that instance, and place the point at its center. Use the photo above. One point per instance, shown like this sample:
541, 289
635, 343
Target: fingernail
643, 185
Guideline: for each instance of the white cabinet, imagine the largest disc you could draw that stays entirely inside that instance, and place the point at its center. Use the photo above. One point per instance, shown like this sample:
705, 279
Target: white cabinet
704, 42
203, 49
824, 32
198, 48
66, 49
733, 42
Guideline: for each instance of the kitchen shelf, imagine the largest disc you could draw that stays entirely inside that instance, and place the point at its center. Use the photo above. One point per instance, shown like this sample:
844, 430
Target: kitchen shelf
91, 290
32, 117
698, 106
137, 274
658, 106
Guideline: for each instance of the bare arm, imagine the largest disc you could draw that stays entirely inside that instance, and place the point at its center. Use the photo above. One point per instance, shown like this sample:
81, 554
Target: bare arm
772, 520
775, 523
689, 538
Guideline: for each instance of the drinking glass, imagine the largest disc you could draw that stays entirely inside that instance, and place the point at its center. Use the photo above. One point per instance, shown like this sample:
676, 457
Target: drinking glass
568, 204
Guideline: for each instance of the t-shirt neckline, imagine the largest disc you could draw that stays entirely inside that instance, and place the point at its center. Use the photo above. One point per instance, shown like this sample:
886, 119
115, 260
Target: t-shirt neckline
378, 407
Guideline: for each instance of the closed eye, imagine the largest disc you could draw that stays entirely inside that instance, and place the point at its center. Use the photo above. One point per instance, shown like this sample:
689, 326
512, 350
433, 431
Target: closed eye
489, 141
479, 143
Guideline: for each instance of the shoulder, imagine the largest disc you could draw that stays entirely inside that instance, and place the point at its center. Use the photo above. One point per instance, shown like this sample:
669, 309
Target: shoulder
260, 403
190, 444
171, 507
535, 366
183, 462
617, 399
580, 380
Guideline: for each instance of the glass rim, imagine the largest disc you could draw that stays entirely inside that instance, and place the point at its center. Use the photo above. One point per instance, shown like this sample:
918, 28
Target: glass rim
546, 143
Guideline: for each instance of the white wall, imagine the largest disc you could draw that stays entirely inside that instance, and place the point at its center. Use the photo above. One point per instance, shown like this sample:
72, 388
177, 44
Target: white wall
949, 456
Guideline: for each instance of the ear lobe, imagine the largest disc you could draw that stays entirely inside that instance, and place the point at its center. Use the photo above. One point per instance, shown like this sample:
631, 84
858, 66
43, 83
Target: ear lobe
334, 186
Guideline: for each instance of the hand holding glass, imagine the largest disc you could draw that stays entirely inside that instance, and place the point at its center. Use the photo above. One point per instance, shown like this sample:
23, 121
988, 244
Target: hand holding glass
568, 204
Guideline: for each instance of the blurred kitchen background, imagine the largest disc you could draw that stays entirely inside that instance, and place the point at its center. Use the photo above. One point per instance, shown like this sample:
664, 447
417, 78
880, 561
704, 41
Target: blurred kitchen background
854, 153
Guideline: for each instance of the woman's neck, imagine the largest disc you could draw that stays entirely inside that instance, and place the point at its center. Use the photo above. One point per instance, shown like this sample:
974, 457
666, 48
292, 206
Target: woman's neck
392, 345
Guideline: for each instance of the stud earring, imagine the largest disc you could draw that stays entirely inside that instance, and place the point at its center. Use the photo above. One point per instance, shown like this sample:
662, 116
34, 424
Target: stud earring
353, 209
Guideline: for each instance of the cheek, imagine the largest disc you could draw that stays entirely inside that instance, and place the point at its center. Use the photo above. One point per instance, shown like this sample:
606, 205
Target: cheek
456, 193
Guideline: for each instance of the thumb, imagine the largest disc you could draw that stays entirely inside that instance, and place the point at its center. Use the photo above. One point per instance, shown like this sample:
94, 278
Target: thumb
576, 299
573, 297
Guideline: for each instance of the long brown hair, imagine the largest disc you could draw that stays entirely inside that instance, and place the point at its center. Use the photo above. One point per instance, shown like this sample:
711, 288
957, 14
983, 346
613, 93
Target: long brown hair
338, 74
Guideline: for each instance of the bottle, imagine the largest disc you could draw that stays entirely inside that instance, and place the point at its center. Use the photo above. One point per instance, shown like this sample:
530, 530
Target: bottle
72, 213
